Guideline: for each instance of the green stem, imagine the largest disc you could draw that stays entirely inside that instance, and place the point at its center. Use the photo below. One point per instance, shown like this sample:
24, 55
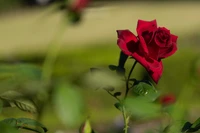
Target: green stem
51, 56
126, 120
113, 96
127, 81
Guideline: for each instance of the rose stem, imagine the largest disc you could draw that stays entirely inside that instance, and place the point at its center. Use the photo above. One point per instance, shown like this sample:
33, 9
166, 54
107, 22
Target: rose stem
127, 81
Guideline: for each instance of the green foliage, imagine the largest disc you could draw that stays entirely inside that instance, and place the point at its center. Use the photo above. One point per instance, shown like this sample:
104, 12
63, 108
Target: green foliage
21, 76
16, 99
141, 107
25, 123
6, 128
188, 127
119, 106
68, 104
145, 88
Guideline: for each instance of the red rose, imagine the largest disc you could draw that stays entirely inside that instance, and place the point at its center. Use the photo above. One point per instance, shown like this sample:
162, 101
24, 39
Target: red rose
167, 99
150, 46
78, 5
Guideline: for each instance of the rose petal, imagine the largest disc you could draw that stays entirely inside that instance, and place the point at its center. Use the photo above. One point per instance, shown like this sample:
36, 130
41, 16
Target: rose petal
145, 30
127, 41
166, 52
163, 37
149, 26
122, 45
174, 38
153, 67
126, 35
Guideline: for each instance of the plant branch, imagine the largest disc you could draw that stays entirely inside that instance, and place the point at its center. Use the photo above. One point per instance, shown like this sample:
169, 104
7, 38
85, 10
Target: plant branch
127, 81
113, 95
126, 120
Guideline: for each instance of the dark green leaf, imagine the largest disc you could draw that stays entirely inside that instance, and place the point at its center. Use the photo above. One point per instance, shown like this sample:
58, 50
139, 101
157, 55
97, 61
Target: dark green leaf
68, 104
26, 123
118, 106
116, 94
112, 67
145, 88
17, 99
25, 105
74, 17
186, 127
31, 124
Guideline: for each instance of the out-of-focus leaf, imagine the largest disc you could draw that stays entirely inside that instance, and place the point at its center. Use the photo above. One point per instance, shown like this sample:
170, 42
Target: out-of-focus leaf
118, 106
6, 128
68, 104
86, 127
145, 88
112, 67
25, 105
26, 123
17, 99
186, 127
116, 94
11, 121
101, 79
109, 88
196, 123
140, 107
14, 76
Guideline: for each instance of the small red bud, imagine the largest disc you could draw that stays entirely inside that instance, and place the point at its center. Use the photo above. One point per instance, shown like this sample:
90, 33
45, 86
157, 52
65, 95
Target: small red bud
167, 99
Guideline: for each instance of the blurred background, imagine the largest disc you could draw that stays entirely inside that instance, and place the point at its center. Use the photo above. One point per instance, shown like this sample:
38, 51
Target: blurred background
29, 27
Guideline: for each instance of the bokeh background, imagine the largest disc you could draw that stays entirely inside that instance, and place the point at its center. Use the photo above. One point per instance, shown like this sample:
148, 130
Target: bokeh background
27, 29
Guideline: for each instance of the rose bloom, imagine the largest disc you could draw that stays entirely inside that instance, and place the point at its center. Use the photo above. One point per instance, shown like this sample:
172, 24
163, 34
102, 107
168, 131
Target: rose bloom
167, 99
78, 5
150, 46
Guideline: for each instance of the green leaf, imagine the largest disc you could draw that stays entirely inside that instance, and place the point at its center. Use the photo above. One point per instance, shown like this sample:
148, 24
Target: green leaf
11, 121
118, 106
196, 123
116, 94
186, 127
112, 67
26, 123
145, 88
85, 127
140, 107
6, 128
25, 105
18, 75
16, 99
68, 104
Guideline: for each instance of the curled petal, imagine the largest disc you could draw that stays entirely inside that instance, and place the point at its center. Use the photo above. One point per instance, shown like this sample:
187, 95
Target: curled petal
143, 26
165, 52
145, 30
153, 67
127, 41
126, 35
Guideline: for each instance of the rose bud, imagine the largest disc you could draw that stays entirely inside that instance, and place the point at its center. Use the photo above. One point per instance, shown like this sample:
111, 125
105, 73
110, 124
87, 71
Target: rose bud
167, 99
